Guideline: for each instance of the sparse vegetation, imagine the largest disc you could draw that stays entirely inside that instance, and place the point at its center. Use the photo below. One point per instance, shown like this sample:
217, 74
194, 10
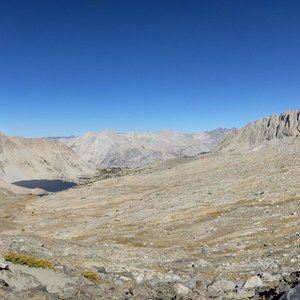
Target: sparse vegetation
92, 276
30, 261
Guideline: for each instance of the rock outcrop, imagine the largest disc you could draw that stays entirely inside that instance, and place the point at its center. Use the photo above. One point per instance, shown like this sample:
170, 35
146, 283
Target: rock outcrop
270, 130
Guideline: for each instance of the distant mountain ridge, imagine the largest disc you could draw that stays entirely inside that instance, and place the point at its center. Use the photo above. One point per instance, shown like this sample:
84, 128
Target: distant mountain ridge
60, 137
25, 159
133, 149
270, 130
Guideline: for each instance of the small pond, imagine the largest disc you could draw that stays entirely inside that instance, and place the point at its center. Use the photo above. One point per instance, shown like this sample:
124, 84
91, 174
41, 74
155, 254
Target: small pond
47, 185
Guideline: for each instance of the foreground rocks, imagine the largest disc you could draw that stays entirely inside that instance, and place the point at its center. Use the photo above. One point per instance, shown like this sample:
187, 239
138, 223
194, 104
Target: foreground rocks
23, 282
263, 286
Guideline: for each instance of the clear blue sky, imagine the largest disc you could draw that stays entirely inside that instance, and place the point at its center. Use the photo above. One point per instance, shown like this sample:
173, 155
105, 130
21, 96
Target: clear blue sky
70, 66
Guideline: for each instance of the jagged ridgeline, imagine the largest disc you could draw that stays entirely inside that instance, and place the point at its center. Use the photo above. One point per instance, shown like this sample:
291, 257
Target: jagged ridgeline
270, 130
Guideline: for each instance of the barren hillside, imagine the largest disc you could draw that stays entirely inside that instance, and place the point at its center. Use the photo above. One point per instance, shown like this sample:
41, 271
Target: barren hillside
25, 159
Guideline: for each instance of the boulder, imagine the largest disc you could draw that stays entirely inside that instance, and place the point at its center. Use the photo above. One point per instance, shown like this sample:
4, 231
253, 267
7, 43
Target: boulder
292, 294
242, 294
219, 287
253, 282
181, 289
100, 270
19, 281
270, 280
3, 265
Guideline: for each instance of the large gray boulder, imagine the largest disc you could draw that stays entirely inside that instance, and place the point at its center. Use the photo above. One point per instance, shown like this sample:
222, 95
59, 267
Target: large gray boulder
292, 294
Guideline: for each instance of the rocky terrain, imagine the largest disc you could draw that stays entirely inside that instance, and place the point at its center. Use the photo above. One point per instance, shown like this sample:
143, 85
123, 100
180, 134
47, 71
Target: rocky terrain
271, 130
222, 225
25, 159
133, 149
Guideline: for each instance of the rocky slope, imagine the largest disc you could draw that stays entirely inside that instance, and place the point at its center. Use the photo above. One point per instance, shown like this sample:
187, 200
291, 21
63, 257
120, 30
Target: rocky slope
25, 159
219, 226
222, 225
270, 130
134, 149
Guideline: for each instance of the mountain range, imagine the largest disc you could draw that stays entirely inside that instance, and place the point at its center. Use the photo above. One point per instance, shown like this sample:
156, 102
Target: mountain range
108, 148
72, 157
222, 225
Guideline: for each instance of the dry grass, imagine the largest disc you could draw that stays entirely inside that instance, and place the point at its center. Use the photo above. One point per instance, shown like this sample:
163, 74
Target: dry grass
30, 261
92, 276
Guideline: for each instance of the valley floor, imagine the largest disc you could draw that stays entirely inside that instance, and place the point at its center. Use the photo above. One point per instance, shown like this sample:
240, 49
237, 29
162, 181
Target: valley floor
227, 215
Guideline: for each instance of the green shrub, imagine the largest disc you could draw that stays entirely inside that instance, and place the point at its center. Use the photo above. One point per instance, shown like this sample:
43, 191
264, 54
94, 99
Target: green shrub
30, 261
92, 276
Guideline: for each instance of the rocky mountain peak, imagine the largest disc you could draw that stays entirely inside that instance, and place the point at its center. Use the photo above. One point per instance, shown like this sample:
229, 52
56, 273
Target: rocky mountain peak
265, 131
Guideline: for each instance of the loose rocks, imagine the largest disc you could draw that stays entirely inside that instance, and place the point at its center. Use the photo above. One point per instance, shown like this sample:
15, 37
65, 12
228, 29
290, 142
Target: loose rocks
219, 287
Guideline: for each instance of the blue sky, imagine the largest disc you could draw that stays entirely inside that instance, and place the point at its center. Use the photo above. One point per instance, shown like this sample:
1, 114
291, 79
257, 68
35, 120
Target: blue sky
70, 66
